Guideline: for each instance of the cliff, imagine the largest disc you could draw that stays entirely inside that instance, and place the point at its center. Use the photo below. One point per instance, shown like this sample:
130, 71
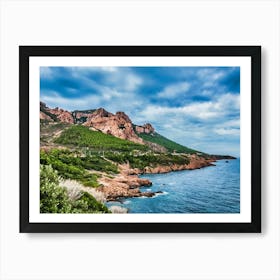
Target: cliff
118, 125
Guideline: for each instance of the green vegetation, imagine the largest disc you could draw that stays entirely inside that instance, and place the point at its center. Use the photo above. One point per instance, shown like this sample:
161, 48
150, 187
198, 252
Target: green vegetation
168, 144
81, 136
72, 165
49, 130
147, 159
54, 199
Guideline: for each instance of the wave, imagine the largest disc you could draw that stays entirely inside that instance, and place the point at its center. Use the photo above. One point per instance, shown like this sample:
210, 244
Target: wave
159, 194
127, 202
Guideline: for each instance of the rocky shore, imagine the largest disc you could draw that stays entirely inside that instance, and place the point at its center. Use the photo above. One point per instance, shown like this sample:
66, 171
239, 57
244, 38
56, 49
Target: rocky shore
127, 183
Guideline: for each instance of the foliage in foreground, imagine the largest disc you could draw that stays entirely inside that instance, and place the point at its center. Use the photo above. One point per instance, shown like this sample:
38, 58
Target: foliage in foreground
54, 199
70, 165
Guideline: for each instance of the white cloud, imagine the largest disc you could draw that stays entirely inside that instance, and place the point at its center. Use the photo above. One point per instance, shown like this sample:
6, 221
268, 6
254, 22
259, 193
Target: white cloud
111, 100
54, 99
174, 90
232, 123
200, 110
210, 76
130, 82
227, 131
118, 78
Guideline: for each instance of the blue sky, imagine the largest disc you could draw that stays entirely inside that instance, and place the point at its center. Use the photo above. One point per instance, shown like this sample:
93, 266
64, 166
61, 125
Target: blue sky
198, 107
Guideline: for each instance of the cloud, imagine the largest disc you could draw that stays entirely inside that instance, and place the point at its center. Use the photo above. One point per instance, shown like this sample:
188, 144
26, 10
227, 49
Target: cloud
130, 82
232, 123
54, 99
210, 76
201, 110
84, 79
119, 78
227, 131
174, 90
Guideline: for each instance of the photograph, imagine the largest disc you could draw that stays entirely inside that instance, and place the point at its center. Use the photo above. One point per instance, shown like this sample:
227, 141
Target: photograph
139, 140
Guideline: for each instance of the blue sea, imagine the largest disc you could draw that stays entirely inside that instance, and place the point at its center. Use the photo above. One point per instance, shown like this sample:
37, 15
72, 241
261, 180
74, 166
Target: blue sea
213, 189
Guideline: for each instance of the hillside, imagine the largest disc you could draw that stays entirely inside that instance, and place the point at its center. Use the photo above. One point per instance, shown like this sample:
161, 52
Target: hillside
170, 145
105, 123
82, 136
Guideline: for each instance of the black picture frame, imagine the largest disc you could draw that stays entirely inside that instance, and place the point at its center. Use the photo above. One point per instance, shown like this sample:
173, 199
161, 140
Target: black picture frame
254, 52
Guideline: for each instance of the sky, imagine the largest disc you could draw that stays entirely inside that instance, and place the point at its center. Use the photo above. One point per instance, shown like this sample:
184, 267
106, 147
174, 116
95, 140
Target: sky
198, 107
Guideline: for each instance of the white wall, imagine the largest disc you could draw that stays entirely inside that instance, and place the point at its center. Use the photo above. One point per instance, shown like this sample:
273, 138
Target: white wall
139, 256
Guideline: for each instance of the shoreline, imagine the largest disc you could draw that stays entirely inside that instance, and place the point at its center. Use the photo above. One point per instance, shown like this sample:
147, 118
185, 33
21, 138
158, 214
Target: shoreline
127, 183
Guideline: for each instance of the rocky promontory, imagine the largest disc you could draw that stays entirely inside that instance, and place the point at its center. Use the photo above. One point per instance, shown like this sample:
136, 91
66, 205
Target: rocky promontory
128, 184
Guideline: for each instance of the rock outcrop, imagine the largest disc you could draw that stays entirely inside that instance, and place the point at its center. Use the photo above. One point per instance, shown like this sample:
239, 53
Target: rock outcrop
44, 116
62, 115
118, 125
123, 185
55, 114
146, 128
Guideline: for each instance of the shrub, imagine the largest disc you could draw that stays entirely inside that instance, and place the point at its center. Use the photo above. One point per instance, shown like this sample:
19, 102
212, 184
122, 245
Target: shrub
74, 189
53, 199
57, 199
69, 166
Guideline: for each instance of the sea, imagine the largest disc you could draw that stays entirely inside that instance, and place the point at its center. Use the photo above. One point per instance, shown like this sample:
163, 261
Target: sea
212, 189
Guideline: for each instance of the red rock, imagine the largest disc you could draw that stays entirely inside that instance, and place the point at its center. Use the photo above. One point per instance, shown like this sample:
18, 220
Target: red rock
44, 116
118, 125
146, 128
58, 114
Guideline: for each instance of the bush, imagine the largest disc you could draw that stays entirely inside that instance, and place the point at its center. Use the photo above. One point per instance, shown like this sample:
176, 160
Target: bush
69, 166
148, 159
53, 199
56, 199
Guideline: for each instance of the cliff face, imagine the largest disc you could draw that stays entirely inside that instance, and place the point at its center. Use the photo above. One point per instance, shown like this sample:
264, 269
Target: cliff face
55, 114
44, 116
118, 125
146, 128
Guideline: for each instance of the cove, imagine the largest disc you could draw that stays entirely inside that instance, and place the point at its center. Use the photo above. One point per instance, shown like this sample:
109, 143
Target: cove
213, 189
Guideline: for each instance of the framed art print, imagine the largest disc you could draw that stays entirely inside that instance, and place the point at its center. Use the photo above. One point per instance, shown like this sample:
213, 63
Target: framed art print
140, 138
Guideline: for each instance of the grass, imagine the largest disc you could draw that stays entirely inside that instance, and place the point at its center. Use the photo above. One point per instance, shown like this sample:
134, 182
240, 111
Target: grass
81, 136
148, 159
171, 146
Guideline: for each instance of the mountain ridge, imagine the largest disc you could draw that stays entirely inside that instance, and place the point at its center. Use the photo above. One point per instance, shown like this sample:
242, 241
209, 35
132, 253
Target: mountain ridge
118, 125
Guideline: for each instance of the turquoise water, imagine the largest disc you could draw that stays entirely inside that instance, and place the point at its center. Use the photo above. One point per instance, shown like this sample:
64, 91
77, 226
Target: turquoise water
213, 189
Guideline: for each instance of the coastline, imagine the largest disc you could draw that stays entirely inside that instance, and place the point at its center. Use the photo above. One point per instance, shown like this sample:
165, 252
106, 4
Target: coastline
127, 183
